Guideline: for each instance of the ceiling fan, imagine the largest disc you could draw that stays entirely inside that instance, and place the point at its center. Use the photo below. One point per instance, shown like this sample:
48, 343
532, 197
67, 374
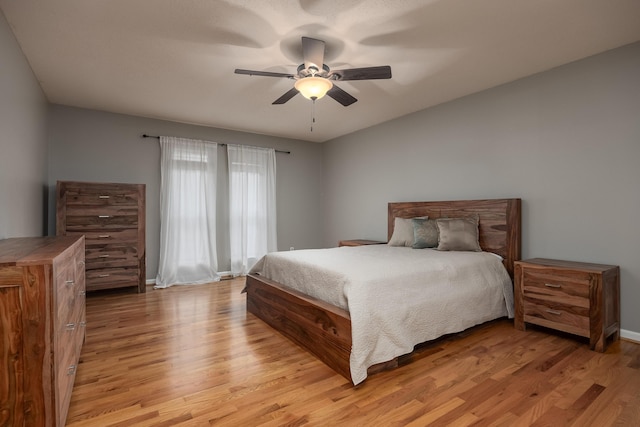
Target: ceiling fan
314, 79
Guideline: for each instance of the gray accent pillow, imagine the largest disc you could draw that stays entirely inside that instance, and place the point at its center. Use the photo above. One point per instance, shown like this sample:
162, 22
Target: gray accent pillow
458, 234
425, 233
402, 232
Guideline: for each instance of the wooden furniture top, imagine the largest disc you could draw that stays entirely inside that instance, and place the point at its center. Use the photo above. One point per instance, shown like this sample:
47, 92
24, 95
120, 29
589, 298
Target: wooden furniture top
573, 265
499, 225
20, 251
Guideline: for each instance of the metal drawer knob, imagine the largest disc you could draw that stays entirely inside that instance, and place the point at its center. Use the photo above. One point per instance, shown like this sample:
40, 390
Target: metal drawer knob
103, 197
71, 326
103, 275
104, 216
71, 370
551, 285
555, 312
104, 236
103, 256
69, 282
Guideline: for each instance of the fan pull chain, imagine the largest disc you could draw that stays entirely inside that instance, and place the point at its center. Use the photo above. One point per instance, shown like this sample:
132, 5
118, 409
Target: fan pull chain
313, 113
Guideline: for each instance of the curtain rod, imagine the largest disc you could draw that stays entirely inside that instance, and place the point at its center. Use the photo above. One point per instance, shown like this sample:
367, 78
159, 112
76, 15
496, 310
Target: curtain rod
144, 135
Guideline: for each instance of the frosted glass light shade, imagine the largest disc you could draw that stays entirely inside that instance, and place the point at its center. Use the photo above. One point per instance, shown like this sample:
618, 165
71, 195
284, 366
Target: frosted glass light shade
313, 87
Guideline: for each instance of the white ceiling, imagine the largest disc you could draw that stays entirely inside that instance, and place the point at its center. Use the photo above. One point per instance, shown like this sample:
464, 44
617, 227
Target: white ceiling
175, 60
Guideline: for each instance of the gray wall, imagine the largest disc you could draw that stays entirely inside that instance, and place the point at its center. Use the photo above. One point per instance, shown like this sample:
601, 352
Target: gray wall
23, 148
87, 145
566, 141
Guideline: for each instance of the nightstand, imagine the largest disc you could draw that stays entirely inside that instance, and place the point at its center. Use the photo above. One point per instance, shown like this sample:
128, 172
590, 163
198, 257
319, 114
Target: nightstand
360, 242
574, 297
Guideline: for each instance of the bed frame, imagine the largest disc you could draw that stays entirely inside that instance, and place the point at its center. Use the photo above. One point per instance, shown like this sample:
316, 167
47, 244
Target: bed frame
325, 330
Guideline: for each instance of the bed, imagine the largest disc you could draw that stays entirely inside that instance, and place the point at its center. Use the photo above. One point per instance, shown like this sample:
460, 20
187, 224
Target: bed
325, 329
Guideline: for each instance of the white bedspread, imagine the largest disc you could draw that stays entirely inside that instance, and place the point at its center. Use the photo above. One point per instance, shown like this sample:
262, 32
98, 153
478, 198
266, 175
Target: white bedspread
397, 297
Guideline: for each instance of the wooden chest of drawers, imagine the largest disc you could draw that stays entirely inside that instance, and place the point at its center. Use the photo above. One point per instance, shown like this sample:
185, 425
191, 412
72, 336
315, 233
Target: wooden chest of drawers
112, 218
574, 297
42, 319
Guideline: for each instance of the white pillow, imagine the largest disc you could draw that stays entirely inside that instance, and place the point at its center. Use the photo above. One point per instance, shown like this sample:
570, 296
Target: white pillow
402, 232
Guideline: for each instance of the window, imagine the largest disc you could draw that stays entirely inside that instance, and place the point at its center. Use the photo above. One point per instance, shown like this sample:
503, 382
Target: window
252, 205
188, 212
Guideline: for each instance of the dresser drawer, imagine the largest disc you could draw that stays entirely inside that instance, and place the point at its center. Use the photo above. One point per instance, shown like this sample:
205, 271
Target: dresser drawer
65, 367
101, 237
112, 278
69, 313
102, 195
79, 263
103, 221
111, 256
66, 286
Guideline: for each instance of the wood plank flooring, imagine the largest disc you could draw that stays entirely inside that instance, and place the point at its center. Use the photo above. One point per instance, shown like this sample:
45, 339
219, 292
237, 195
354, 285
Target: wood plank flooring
192, 356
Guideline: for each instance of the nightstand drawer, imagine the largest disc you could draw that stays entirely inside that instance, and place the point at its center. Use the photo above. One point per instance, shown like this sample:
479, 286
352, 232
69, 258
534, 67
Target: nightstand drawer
567, 318
550, 285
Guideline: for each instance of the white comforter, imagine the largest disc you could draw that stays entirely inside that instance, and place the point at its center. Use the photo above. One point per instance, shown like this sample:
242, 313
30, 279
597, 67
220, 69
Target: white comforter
397, 297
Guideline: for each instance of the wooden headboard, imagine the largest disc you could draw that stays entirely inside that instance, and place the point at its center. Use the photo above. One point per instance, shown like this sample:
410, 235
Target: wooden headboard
498, 227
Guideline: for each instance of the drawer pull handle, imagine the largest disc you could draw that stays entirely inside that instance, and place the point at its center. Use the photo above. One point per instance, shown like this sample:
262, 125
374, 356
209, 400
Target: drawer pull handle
104, 236
69, 282
71, 326
103, 197
103, 275
551, 285
83, 324
104, 216
103, 256
82, 293
81, 263
556, 312
71, 370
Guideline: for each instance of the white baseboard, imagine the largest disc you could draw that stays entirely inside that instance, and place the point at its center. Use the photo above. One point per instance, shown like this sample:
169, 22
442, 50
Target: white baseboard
222, 274
630, 335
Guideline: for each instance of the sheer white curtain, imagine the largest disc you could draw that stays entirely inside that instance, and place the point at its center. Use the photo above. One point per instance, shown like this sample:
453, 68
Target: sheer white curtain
252, 200
187, 212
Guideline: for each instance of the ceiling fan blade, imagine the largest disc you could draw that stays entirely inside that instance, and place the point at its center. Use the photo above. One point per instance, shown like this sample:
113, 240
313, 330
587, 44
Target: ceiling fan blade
262, 73
366, 73
287, 96
313, 53
341, 96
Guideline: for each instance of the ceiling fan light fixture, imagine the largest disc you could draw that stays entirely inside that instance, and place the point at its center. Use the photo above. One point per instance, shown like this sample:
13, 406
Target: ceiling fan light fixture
313, 87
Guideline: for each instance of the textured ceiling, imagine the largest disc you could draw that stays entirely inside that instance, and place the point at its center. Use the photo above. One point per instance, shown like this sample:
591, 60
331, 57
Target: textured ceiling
175, 60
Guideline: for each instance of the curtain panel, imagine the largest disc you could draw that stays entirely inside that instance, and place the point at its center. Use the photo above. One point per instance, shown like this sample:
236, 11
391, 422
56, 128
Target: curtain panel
187, 212
252, 205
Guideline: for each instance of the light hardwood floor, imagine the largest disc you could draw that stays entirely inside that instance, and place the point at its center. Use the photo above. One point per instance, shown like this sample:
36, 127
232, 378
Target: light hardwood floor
191, 356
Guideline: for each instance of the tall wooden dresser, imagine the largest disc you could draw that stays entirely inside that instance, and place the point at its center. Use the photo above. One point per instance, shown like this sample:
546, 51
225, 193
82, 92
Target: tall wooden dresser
112, 218
42, 327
